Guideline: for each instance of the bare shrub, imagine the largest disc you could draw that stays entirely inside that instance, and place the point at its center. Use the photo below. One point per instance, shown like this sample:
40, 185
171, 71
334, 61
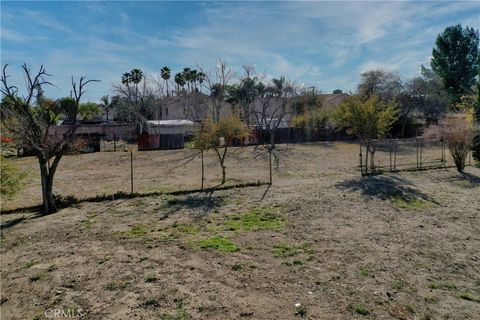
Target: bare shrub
458, 130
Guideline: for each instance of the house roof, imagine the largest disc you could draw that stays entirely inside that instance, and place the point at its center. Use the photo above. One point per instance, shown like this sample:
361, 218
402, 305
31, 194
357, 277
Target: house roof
170, 123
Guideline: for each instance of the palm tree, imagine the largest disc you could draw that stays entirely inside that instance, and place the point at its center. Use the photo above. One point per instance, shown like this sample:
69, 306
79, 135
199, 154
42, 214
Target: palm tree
165, 74
126, 78
278, 85
136, 76
194, 78
187, 77
179, 80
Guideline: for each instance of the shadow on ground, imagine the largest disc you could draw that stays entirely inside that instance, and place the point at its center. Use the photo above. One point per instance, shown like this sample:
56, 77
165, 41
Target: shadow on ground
384, 188
10, 223
459, 179
69, 201
205, 203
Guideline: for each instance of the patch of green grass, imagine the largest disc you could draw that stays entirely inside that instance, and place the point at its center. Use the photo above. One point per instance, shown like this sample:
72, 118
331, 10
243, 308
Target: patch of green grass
469, 297
185, 228
298, 262
285, 250
139, 230
360, 309
408, 203
181, 314
442, 285
151, 278
399, 284
301, 311
261, 218
116, 285
364, 271
218, 243
237, 267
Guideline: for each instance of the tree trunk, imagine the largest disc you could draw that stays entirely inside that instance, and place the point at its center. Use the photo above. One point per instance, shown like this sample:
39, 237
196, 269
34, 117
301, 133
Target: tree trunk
47, 173
272, 147
369, 156
44, 179
223, 173
48, 205
221, 159
272, 139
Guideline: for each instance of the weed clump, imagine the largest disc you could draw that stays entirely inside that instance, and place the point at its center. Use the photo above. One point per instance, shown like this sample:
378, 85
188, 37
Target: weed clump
262, 218
218, 243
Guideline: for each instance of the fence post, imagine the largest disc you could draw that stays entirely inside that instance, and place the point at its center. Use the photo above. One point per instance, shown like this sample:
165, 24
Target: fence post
390, 144
416, 148
203, 170
395, 155
360, 158
443, 152
270, 162
131, 171
421, 152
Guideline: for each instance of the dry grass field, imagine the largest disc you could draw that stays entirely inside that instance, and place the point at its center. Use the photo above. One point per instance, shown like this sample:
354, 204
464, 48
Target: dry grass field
323, 243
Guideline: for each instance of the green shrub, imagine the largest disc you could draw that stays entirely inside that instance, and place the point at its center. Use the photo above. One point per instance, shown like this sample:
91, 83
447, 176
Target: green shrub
11, 178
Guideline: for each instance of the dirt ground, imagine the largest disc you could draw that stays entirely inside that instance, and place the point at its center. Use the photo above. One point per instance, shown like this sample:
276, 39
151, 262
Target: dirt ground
320, 243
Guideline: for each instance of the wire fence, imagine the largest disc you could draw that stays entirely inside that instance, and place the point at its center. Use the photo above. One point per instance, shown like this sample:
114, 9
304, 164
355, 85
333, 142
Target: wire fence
394, 155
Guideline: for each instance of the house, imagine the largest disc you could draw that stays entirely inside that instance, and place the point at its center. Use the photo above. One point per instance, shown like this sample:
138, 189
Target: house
165, 134
332, 99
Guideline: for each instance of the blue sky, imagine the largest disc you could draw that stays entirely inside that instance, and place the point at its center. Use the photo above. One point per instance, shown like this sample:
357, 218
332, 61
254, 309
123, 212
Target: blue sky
325, 44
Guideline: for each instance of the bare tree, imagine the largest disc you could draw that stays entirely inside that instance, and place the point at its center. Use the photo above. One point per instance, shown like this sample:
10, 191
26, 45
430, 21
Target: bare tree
270, 109
30, 126
217, 83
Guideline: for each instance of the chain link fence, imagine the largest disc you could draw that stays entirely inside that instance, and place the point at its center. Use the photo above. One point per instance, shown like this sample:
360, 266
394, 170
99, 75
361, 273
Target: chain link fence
393, 155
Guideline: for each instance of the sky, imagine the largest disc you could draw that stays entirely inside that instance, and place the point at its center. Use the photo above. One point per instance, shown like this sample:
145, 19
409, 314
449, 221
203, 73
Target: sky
326, 44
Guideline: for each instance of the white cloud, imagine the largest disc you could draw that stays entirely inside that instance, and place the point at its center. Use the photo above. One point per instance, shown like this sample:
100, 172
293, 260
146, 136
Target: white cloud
15, 36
